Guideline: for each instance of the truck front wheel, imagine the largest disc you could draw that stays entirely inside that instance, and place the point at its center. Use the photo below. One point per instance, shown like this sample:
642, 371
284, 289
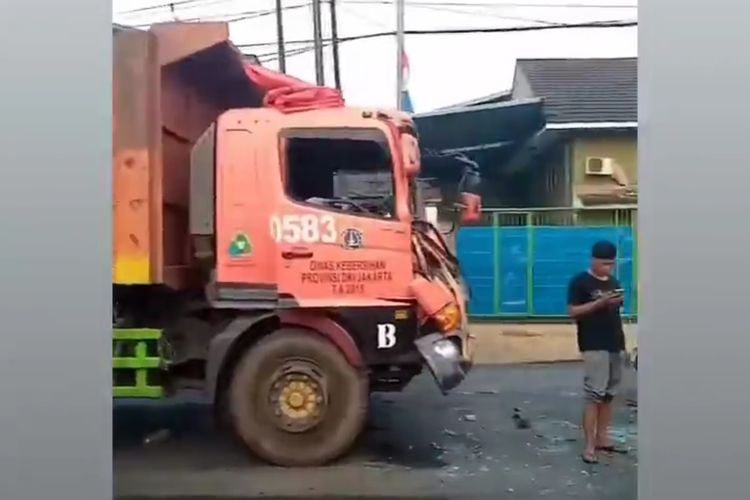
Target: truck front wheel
296, 401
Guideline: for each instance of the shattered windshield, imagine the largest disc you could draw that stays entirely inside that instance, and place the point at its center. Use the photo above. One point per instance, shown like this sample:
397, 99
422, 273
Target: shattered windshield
349, 171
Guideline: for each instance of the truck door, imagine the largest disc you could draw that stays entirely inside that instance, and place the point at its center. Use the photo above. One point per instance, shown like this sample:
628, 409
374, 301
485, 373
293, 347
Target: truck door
342, 229
245, 252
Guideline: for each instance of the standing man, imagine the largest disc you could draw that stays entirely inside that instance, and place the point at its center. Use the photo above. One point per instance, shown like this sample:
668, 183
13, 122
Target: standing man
594, 301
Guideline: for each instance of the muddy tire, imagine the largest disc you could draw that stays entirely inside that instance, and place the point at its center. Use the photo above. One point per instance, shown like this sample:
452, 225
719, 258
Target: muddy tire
294, 400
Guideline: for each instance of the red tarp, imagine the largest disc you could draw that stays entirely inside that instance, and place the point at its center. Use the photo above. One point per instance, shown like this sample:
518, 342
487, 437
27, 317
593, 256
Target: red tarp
289, 95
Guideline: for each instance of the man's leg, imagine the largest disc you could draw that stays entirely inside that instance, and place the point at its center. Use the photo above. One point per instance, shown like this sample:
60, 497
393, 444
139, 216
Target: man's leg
595, 381
604, 415
603, 422
590, 424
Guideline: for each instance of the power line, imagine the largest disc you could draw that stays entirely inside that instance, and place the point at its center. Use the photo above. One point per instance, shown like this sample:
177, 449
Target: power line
239, 16
479, 13
464, 31
363, 17
170, 5
442, 9
181, 3
272, 56
498, 5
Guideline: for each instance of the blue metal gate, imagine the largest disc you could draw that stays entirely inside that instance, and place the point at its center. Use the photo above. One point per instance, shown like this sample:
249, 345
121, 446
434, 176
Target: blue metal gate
519, 265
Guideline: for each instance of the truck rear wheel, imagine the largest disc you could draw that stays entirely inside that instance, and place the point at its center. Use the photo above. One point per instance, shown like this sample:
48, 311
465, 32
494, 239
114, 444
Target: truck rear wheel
296, 401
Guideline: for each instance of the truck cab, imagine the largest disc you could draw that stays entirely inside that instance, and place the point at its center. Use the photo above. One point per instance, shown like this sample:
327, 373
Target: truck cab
317, 211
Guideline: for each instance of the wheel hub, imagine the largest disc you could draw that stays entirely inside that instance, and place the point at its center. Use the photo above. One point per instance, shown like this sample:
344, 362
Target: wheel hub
297, 397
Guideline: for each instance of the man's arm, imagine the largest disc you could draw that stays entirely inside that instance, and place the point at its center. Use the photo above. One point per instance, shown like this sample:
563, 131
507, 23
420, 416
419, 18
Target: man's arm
578, 306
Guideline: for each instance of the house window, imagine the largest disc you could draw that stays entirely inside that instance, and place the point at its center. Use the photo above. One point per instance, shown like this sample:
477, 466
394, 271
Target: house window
346, 170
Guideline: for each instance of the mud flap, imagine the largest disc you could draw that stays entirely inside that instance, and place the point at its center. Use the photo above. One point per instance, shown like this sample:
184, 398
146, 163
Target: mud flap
443, 358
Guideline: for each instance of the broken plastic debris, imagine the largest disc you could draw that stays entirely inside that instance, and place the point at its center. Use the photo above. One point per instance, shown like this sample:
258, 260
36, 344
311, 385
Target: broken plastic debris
155, 437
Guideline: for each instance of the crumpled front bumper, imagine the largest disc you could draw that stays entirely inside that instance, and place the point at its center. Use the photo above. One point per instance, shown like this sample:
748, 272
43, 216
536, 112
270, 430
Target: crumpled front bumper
444, 358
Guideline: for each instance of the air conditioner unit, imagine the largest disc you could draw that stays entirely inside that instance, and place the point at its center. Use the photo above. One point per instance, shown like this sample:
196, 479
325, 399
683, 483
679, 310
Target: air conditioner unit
599, 166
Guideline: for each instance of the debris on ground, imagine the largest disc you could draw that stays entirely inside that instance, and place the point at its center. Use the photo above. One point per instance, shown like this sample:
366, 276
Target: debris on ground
479, 393
520, 421
157, 437
458, 454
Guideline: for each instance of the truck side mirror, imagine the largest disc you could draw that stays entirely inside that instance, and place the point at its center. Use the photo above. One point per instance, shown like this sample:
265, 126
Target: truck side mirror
472, 208
470, 199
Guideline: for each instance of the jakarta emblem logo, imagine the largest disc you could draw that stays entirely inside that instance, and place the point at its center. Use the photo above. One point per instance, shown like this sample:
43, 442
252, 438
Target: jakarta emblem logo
352, 238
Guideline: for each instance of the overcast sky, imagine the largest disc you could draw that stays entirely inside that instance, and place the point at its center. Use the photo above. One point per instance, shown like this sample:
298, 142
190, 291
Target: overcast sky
445, 69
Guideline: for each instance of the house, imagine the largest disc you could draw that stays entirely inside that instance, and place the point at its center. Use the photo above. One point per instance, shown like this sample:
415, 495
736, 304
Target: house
586, 155
558, 157
591, 105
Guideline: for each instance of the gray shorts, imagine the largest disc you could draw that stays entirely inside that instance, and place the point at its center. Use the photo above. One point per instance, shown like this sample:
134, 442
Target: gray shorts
602, 375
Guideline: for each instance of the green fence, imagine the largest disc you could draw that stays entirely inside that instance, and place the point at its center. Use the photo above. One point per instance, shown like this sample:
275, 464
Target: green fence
518, 262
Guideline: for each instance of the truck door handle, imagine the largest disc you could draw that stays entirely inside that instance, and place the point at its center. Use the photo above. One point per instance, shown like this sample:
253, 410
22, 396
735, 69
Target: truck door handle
297, 254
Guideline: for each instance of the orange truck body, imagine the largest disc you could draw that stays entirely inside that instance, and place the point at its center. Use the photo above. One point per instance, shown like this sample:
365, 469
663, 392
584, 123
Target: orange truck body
169, 85
224, 248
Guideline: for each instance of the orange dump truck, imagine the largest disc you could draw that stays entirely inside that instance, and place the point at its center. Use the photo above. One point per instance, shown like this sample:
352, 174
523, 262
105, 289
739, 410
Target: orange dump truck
269, 253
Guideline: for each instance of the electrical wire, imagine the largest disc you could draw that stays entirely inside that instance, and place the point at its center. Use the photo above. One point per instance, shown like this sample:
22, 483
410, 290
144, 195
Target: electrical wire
347, 8
497, 5
367, 19
460, 31
239, 16
272, 56
170, 5
480, 13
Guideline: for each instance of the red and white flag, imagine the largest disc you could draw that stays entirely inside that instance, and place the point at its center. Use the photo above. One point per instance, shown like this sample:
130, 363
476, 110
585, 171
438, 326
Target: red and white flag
406, 103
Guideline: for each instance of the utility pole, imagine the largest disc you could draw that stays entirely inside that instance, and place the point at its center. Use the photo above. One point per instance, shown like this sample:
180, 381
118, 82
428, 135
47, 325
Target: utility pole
335, 45
318, 43
280, 37
399, 53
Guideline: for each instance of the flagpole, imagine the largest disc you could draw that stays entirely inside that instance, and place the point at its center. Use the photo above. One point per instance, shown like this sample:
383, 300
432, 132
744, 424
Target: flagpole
399, 53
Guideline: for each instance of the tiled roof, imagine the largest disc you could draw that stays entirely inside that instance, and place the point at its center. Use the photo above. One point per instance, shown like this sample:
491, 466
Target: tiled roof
583, 90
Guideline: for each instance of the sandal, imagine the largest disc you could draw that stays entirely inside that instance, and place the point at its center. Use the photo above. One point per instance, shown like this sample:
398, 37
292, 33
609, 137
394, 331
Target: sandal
591, 460
612, 449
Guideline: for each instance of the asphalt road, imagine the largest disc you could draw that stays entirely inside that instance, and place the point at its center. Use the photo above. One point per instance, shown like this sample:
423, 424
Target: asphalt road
419, 444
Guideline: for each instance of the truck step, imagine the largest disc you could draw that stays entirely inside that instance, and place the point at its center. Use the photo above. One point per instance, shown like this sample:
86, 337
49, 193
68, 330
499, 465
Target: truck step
136, 363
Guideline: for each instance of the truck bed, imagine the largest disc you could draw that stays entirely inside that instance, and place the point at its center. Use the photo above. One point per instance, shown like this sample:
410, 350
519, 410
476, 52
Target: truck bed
169, 84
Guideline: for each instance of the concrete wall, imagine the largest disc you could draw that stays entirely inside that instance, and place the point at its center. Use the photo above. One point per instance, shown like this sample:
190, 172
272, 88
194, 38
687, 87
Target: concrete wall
549, 181
623, 149
521, 87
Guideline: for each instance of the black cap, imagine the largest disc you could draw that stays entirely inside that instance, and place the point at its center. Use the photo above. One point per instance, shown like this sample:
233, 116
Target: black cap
604, 250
